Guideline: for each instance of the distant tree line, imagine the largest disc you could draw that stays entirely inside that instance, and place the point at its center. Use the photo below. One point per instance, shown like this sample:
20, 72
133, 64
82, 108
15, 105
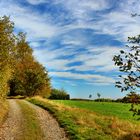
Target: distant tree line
129, 98
104, 100
20, 73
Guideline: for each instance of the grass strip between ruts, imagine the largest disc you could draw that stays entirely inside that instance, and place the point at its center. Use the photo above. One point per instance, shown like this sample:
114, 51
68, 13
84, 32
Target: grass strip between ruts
31, 126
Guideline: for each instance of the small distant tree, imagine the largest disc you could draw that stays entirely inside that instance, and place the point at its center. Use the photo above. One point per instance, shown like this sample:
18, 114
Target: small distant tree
90, 96
99, 95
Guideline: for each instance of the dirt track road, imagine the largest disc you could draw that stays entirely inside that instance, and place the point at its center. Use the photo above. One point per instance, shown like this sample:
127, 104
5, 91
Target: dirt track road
12, 127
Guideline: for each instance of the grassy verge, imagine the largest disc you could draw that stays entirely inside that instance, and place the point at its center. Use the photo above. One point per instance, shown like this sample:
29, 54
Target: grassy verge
4, 108
120, 110
31, 127
84, 124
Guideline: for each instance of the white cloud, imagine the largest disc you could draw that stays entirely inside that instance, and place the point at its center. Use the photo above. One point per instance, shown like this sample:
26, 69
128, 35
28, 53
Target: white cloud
71, 42
117, 23
35, 25
99, 59
36, 2
67, 82
120, 25
35, 44
49, 58
94, 58
92, 78
80, 9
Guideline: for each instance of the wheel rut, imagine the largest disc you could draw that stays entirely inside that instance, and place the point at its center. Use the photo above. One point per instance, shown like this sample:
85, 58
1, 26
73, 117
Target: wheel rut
11, 129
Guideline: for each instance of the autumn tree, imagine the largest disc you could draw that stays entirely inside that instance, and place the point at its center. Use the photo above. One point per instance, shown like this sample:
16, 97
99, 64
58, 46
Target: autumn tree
19, 71
7, 49
128, 62
30, 78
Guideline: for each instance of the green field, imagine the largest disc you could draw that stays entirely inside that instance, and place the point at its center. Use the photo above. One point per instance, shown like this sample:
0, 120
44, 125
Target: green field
84, 120
119, 110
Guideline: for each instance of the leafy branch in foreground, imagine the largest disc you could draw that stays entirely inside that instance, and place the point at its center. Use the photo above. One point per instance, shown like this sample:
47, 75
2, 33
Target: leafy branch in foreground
128, 62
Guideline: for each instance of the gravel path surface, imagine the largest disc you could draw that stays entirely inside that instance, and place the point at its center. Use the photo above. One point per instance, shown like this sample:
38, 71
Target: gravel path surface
11, 129
49, 125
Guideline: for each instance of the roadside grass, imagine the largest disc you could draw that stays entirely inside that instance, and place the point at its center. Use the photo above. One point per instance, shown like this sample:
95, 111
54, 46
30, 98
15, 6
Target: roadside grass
4, 109
31, 127
81, 124
120, 110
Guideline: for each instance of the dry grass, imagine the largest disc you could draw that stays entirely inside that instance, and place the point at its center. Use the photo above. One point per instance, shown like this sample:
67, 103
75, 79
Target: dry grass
89, 125
31, 127
4, 108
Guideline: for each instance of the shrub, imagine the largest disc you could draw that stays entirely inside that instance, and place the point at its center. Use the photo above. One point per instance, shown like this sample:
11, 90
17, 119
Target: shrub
59, 94
130, 98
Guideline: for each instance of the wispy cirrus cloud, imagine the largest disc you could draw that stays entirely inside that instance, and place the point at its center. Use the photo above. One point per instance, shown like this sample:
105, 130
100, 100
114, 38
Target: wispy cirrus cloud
79, 35
94, 58
81, 10
86, 77
99, 59
36, 2
35, 25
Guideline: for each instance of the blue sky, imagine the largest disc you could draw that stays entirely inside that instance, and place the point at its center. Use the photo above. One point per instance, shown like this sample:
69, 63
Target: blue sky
76, 39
